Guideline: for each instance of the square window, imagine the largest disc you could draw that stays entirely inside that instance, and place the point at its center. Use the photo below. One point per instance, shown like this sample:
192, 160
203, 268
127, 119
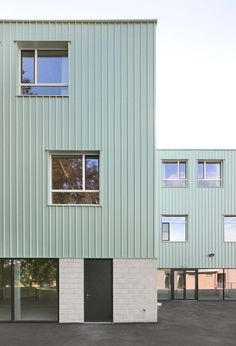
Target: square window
44, 72
230, 228
209, 174
174, 174
75, 178
174, 228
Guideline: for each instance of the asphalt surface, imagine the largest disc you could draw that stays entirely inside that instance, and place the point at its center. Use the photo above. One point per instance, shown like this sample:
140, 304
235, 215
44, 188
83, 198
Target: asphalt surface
180, 324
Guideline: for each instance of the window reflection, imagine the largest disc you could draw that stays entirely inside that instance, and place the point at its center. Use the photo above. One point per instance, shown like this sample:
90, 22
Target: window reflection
44, 90
230, 284
35, 289
209, 174
164, 284
5, 290
230, 228
75, 198
174, 228
44, 72
210, 284
75, 179
91, 173
27, 66
174, 174
52, 66
67, 173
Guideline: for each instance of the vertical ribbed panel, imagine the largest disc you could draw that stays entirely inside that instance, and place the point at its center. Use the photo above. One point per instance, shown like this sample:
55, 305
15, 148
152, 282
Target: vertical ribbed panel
205, 208
110, 108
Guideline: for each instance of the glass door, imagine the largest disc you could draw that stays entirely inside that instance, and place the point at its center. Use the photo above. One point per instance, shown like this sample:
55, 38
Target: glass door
184, 284
190, 284
178, 284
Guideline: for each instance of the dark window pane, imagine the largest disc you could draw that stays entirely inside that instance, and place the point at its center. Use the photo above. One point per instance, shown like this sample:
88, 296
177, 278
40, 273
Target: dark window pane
200, 170
52, 66
5, 290
165, 231
170, 170
67, 173
27, 66
60, 91
92, 172
182, 170
75, 197
35, 290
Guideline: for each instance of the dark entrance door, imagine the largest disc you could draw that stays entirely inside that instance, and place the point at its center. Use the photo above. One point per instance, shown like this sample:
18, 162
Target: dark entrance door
184, 284
98, 290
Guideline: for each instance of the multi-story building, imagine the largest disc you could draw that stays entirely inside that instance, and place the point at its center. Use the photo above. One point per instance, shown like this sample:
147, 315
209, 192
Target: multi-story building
196, 224
77, 147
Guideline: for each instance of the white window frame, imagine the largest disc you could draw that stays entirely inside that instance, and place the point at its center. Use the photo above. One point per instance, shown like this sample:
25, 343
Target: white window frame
178, 172
205, 162
35, 84
225, 222
172, 223
51, 190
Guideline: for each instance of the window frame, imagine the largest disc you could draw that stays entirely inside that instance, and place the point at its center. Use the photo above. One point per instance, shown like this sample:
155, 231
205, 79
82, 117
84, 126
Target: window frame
170, 223
73, 153
35, 84
204, 173
178, 172
226, 216
12, 287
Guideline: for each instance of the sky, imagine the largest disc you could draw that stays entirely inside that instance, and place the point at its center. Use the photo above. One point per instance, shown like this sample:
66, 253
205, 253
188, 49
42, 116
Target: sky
196, 61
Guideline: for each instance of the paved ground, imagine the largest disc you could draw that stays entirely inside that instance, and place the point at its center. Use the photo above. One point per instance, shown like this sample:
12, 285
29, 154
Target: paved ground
180, 324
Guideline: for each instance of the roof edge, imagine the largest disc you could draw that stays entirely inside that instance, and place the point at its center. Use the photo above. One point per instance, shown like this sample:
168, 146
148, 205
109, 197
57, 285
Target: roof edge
188, 149
79, 21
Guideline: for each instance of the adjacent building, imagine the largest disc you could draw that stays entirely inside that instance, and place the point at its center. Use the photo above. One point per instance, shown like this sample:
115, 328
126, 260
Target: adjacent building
196, 224
77, 148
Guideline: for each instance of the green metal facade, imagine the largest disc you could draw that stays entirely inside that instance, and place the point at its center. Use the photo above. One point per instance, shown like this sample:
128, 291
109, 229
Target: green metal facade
205, 208
110, 108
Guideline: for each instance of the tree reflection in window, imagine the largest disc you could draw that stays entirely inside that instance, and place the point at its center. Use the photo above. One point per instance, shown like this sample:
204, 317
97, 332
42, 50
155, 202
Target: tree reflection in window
38, 273
75, 179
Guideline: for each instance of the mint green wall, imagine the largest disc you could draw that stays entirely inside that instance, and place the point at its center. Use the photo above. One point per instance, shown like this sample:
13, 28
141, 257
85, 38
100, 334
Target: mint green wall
205, 208
110, 108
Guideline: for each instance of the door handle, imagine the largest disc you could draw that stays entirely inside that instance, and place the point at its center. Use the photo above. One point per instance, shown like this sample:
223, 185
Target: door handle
88, 295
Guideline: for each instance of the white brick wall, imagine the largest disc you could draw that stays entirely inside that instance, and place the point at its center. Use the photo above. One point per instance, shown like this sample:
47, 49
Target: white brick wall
71, 290
134, 290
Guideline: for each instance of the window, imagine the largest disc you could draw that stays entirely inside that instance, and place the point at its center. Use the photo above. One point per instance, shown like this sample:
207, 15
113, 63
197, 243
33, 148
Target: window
210, 284
230, 228
75, 179
29, 289
44, 72
174, 174
209, 174
163, 284
174, 228
220, 280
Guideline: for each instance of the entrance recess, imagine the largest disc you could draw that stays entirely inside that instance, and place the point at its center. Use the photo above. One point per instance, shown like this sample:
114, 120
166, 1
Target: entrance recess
184, 284
98, 290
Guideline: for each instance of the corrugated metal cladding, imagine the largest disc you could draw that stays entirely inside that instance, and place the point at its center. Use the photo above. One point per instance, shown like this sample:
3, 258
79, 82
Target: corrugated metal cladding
110, 108
205, 208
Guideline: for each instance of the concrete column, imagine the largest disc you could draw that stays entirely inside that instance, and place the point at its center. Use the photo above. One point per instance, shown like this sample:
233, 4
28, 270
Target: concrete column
134, 290
71, 290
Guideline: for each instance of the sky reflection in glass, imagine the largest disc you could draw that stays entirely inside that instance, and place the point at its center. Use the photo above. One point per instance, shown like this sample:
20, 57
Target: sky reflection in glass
52, 67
